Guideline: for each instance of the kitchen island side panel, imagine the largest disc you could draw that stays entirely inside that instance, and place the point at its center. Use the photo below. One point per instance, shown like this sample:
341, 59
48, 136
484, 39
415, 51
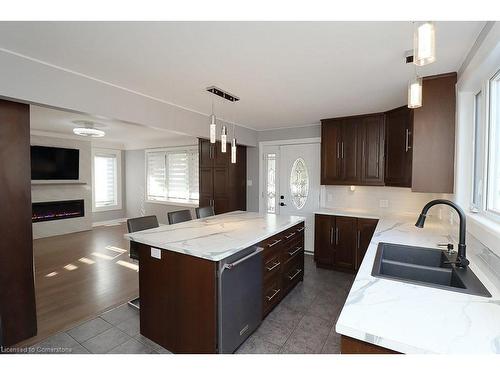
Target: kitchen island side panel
178, 301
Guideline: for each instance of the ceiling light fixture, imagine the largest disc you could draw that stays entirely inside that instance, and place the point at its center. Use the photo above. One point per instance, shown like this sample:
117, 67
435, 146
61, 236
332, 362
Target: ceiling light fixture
233, 147
87, 129
213, 124
223, 138
424, 44
415, 92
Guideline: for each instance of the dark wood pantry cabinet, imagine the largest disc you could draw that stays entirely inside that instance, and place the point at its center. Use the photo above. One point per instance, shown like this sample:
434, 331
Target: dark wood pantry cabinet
222, 184
340, 242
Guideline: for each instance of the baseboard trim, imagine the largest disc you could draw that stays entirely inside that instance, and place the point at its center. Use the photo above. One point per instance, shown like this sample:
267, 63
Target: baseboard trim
109, 222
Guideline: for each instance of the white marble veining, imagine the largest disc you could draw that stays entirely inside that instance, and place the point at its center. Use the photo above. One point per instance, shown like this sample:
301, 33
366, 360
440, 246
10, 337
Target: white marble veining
216, 237
411, 318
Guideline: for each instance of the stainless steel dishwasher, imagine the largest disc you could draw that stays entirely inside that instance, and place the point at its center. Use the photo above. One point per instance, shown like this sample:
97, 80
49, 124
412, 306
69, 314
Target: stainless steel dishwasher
240, 298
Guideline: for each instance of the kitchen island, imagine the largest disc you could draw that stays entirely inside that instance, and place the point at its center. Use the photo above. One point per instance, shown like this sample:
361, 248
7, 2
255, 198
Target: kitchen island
205, 285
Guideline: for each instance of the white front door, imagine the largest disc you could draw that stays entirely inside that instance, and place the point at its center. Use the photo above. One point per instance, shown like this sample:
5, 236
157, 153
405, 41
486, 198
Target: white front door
292, 183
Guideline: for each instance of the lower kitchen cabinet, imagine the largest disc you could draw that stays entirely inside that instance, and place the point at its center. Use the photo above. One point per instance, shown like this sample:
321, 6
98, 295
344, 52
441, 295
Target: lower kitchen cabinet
283, 265
340, 242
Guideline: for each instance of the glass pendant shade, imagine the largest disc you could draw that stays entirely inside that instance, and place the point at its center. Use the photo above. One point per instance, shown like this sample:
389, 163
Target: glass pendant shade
213, 128
223, 139
415, 92
424, 44
233, 151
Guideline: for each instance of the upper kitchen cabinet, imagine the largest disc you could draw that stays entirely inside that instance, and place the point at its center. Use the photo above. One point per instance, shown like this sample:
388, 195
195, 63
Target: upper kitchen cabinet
352, 150
398, 147
434, 136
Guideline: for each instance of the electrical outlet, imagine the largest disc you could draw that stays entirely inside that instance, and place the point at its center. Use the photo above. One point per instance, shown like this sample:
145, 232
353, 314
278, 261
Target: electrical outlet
249, 182
155, 253
383, 203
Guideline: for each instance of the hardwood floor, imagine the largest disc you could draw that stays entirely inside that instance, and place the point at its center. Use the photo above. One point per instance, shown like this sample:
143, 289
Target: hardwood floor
80, 275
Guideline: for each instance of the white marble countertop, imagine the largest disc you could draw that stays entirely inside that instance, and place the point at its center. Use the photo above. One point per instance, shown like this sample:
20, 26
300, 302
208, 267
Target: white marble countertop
410, 318
217, 237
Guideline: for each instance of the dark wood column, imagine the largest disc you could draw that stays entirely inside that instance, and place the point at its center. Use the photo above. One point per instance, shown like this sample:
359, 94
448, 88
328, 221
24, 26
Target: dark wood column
17, 290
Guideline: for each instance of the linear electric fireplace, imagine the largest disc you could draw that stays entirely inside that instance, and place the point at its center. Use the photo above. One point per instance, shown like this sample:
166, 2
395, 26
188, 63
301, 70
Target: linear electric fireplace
57, 210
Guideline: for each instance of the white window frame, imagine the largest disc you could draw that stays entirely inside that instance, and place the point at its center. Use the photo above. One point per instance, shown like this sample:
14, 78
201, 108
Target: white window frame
118, 155
168, 201
495, 215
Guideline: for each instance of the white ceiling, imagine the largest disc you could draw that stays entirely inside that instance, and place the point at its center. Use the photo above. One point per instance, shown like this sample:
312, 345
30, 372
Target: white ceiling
119, 134
286, 73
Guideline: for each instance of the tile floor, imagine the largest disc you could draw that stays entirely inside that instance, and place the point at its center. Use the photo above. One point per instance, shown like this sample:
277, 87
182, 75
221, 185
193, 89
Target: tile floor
302, 323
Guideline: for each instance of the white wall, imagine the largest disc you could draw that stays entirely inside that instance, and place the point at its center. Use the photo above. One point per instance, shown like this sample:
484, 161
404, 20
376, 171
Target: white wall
52, 192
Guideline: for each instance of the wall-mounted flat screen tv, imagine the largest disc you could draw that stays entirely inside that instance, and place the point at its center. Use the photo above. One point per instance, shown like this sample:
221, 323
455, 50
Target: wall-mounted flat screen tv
54, 163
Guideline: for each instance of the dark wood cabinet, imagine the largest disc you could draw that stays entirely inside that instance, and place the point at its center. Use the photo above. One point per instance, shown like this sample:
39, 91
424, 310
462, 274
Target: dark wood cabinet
352, 150
371, 135
398, 147
17, 290
340, 242
221, 183
344, 243
323, 239
434, 136
365, 230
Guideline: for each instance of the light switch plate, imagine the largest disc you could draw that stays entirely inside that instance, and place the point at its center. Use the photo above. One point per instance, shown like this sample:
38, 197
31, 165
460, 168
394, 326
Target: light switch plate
155, 253
383, 203
249, 182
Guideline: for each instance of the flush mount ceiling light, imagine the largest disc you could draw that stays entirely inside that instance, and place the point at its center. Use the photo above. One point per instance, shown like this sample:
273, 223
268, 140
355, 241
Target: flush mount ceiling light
424, 43
87, 129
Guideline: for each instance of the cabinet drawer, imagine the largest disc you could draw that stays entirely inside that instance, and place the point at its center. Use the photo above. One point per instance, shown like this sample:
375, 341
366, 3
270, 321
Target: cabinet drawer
294, 251
272, 294
272, 263
294, 272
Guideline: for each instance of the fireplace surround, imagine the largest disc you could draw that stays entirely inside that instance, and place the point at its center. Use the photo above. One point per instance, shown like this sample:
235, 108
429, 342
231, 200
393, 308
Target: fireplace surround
57, 210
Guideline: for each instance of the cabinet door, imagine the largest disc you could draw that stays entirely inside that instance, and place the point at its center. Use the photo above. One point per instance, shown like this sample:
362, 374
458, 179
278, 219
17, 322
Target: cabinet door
371, 149
398, 147
206, 186
349, 151
221, 159
331, 138
365, 230
344, 242
221, 190
205, 149
323, 239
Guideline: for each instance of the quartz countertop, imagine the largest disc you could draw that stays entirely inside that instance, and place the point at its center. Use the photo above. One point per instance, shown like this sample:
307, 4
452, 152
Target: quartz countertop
216, 237
411, 318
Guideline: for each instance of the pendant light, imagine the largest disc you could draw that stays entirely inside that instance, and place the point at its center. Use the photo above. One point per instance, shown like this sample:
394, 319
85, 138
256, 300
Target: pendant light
415, 92
213, 124
233, 147
424, 44
223, 138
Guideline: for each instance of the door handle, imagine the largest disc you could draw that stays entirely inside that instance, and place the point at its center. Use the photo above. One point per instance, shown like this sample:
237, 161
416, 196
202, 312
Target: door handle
331, 235
338, 150
342, 149
336, 235
358, 239
282, 204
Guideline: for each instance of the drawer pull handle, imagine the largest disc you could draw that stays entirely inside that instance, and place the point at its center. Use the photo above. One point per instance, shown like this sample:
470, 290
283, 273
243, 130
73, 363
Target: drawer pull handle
295, 274
273, 266
290, 235
300, 229
292, 253
276, 291
274, 243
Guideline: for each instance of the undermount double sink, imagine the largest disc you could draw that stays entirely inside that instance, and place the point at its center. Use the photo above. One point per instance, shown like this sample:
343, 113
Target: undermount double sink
426, 267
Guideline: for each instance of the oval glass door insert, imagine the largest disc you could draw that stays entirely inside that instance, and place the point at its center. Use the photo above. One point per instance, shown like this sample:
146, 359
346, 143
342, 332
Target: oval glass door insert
299, 183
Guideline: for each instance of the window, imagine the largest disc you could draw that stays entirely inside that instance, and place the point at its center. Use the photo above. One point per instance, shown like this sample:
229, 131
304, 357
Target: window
271, 183
106, 180
172, 175
493, 188
299, 183
478, 163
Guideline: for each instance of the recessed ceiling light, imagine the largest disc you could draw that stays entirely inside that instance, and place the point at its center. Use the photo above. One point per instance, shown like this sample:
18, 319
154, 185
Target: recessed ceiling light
87, 129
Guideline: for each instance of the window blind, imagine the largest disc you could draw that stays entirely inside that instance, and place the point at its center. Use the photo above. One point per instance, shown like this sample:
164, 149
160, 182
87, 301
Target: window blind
172, 175
105, 175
